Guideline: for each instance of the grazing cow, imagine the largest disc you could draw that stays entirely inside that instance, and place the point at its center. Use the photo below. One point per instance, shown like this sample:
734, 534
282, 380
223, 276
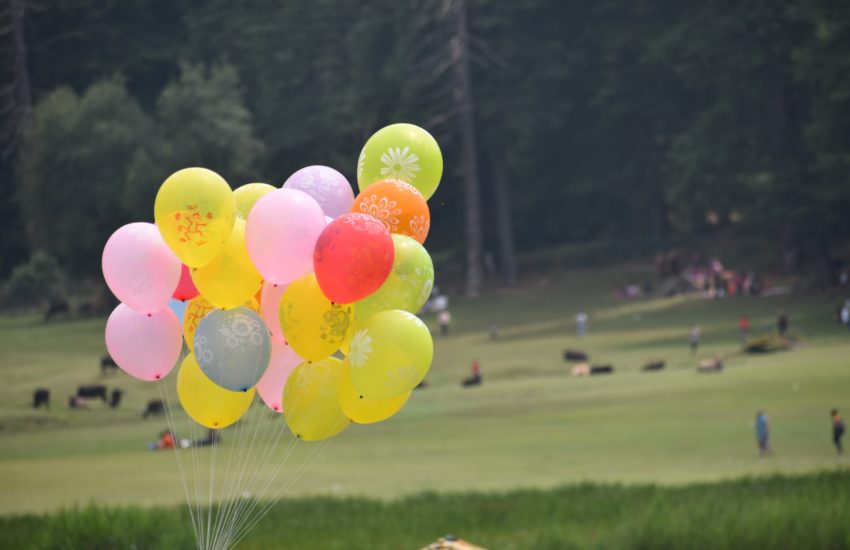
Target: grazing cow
715, 364
155, 407
94, 392
574, 355
56, 308
657, 365
107, 363
582, 369
40, 397
115, 398
601, 369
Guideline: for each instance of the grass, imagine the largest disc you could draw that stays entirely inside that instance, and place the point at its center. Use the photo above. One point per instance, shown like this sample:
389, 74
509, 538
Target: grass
772, 512
529, 426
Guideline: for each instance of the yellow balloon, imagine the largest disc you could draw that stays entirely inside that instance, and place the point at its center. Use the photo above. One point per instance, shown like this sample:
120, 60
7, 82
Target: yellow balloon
199, 308
310, 401
208, 404
247, 195
194, 211
314, 326
230, 279
362, 409
389, 354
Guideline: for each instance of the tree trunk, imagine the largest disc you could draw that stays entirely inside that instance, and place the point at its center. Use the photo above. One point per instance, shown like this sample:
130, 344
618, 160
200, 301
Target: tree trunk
16, 99
463, 100
504, 222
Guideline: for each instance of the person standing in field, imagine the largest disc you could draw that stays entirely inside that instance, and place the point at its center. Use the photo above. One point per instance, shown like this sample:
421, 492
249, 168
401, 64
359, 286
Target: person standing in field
744, 327
444, 318
782, 323
837, 430
581, 323
693, 338
763, 433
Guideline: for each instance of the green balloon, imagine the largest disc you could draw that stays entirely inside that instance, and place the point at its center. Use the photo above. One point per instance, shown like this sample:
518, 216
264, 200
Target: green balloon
409, 285
401, 152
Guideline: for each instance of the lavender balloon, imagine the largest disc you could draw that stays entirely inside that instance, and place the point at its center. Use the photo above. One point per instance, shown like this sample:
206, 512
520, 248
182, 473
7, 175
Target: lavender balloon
330, 188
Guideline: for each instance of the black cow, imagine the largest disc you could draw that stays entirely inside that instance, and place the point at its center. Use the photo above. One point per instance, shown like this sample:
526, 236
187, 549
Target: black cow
115, 398
574, 355
601, 369
56, 308
657, 365
93, 392
155, 407
107, 363
41, 396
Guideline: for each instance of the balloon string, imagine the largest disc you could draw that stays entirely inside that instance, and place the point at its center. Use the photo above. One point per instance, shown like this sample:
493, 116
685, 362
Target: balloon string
268, 506
227, 484
177, 456
280, 466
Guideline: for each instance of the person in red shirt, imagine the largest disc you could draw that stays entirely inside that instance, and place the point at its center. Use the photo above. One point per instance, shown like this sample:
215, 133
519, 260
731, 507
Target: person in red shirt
744, 327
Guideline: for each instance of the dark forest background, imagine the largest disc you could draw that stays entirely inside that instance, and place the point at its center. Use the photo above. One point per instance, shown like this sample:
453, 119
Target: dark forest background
615, 128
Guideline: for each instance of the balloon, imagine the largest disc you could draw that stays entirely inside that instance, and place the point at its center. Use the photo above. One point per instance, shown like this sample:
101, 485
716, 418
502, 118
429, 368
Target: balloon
145, 346
389, 354
230, 279
398, 205
207, 403
363, 410
139, 268
330, 188
186, 287
313, 325
247, 195
197, 309
194, 211
179, 309
281, 365
409, 285
233, 348
401, 152
281, 234
310, 401
270, 308
353, 257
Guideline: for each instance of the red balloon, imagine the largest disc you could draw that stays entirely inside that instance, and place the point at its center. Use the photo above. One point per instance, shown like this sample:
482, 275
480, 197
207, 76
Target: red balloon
353, 257
185, 288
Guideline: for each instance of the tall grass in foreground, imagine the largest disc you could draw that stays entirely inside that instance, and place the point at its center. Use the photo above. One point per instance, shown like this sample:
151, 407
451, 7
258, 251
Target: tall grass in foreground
774, 512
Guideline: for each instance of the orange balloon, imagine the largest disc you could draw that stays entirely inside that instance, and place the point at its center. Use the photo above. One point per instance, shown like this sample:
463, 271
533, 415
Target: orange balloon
398, 205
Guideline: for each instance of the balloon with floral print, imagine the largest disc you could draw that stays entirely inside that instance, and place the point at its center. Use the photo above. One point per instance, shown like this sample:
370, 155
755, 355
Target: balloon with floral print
398, 205
330, 188
409, 284
403, 152
353, 257
233, 348
389, 354
310, 402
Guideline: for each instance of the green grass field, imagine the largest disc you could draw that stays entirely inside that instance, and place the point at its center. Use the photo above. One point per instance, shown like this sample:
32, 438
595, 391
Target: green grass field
529, 426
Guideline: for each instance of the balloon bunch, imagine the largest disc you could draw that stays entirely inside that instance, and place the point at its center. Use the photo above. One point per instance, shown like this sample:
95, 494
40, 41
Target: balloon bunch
268, 287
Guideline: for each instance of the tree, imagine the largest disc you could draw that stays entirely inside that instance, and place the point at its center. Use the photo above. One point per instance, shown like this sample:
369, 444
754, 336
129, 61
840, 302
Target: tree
78, 151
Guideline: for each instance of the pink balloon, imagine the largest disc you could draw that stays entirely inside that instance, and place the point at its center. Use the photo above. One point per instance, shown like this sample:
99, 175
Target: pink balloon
270, 387
330, 188
139, 268
269, 309
145, 346
281, 234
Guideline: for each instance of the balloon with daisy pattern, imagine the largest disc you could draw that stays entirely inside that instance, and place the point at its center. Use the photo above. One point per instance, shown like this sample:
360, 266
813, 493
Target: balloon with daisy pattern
272, 282
402, 152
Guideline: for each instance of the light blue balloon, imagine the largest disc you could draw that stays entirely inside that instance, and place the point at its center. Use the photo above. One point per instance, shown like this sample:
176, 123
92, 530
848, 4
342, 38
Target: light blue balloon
233, 348
179, 308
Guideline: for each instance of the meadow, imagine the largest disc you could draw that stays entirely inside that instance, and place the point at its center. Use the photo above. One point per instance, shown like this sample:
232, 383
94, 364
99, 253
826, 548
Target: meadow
530, 427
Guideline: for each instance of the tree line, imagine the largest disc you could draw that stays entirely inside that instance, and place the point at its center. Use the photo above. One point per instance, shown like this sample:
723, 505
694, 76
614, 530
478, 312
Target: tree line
560, 121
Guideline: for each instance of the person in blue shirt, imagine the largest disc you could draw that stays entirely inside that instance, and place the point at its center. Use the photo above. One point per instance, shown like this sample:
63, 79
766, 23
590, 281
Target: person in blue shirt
763, 433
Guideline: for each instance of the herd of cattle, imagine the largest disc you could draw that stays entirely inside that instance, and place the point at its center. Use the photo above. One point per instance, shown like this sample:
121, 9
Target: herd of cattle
583, 368
86, 394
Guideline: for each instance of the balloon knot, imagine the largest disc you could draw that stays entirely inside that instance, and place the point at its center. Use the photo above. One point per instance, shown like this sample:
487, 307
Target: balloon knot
150, 314
361, 397
157, 377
